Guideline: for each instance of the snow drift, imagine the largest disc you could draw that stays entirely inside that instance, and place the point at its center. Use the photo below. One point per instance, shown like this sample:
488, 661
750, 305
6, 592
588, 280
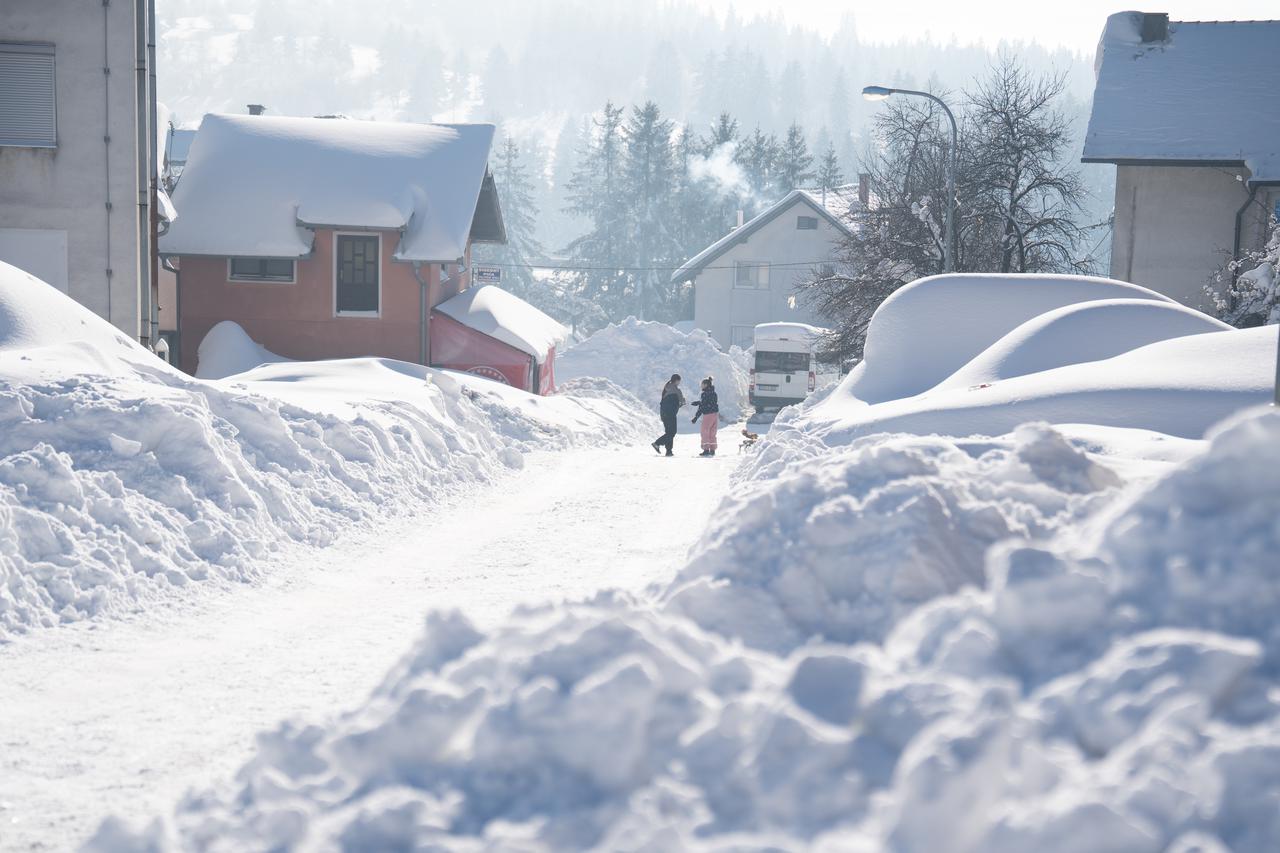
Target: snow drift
1107, 684
122, 479
640, 356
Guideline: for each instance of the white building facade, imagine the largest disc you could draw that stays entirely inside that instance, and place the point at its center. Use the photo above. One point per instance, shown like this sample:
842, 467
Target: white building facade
750, 275
78, 152
1190, 116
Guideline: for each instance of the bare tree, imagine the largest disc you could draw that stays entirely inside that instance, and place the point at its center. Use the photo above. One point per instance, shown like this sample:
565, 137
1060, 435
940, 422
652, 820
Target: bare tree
1016, 206
1023, 178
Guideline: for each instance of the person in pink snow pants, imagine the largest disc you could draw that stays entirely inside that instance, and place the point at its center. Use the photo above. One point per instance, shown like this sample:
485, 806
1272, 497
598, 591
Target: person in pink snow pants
709, 410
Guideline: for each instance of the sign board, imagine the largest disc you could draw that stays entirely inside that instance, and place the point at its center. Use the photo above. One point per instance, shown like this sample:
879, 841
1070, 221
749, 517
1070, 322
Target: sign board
486, 275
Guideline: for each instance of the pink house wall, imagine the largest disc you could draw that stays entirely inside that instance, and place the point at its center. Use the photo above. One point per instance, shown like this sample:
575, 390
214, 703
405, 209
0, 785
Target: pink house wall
297, 320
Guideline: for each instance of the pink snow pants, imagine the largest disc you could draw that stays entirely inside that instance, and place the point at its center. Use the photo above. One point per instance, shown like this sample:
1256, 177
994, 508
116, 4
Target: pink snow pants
709, 424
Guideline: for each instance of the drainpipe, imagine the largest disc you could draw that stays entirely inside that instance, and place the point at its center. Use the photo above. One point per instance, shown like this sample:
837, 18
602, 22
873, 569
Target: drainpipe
1239, 236
153, 174
424, 340
143, 163
106, 142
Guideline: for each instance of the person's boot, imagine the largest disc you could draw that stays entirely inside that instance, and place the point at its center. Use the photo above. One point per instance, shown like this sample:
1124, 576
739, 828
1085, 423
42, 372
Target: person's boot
658, 449
669, 453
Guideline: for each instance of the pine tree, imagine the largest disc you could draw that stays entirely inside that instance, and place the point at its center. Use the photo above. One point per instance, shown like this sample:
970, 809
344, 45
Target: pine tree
595, 193
829, 175
520, 216
795, 163
649, 185
758, 156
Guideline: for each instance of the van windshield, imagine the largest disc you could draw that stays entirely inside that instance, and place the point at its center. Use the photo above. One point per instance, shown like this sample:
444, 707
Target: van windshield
782, 362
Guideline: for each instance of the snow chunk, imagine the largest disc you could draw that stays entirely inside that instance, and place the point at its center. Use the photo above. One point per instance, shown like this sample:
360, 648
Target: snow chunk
499, 314
227, 349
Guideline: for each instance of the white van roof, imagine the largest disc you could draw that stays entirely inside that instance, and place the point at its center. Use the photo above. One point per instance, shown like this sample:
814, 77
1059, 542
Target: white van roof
787, 332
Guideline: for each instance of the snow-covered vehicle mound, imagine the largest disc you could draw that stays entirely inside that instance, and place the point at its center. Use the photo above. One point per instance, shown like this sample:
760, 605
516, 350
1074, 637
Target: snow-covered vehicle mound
122, 479
933, 326
1093, 354
1105, 679
640, 356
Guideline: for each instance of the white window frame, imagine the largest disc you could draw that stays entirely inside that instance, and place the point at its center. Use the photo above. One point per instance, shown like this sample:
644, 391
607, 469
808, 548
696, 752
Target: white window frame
292, 279
802, 218
334, 274
760, 280
36, 49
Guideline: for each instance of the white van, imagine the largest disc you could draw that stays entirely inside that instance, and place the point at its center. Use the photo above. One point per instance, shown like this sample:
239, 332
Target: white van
784, 369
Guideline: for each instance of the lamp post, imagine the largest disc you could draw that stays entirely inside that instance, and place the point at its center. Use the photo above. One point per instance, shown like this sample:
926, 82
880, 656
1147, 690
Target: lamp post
879, 93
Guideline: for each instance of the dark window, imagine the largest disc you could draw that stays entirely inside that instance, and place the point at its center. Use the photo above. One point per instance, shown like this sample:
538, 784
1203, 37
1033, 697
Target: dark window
357, 274
261, 269
28, 110
806, 223
781, 362
751, 276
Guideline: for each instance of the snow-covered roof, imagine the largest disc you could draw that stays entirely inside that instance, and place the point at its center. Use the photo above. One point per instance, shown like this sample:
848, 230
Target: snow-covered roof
704, 258
506, 317
1205, 93
252, 185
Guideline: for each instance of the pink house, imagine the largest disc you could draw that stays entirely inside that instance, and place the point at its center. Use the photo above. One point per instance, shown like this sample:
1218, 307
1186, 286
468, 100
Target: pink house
328, 238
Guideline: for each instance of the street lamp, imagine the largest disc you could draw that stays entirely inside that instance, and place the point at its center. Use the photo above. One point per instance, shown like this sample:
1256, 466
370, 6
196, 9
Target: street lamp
879, 93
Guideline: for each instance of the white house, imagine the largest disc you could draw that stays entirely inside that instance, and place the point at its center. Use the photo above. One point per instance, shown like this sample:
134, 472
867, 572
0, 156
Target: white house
78, 152
749, 276
1190, 114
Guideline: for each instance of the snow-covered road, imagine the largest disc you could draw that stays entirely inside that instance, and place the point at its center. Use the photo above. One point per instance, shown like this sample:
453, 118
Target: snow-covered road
121, 718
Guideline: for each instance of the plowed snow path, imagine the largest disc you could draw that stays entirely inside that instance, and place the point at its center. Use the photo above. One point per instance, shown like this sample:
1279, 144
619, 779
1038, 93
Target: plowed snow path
122, 718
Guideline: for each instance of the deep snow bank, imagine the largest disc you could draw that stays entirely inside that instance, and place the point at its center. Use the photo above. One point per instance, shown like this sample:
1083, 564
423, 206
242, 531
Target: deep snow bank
122, 479
1111, 686
640, 356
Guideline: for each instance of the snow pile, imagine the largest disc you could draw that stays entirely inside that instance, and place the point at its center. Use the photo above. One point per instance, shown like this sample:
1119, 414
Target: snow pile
640, 356
1062, 349
493, 311
122, 479
840, 546
1109, 684
227, 350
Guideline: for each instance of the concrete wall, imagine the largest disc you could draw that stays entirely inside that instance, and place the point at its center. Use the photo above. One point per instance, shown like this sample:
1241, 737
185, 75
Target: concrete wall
1175, 225
67, 188
297, 319
718, 306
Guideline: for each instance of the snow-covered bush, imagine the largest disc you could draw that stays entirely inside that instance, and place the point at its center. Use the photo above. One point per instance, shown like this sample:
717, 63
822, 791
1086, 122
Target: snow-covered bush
640, 356
1247, 292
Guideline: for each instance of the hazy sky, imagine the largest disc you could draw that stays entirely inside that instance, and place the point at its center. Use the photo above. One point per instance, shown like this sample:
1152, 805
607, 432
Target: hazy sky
1074, 24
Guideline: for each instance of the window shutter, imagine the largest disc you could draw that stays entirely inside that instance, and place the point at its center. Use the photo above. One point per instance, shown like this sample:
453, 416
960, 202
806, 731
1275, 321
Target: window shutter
28, 116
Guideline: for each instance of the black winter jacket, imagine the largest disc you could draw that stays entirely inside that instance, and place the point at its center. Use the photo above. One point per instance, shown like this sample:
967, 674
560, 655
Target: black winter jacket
709, 404
671, 403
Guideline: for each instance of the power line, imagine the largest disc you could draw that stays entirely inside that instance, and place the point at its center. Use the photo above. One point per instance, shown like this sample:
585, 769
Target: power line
558, 267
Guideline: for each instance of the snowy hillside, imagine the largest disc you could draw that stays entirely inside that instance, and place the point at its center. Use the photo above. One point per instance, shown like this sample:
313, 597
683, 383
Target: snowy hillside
122, 479
640, 356
1053, 638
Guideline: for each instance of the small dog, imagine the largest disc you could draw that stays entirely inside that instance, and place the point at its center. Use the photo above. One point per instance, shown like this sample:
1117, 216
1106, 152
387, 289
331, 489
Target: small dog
749, 440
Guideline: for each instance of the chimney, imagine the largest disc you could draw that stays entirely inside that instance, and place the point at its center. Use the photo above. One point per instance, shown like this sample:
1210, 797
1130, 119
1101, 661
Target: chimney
739, 225
1155, 27
256, 109
864, 188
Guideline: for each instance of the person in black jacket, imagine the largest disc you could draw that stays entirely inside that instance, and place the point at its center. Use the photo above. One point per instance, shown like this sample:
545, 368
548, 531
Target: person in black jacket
670, 403
709, 411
